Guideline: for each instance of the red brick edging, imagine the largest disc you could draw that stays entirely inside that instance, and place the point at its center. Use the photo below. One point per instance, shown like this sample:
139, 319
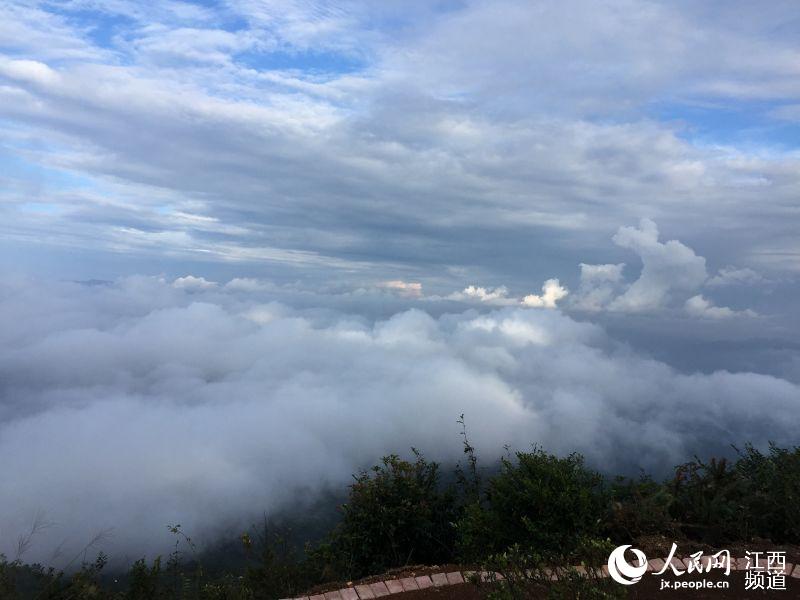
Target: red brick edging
389, 587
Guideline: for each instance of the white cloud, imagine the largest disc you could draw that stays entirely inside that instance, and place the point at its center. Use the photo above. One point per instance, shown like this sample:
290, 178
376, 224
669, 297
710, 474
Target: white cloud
552, 292
157, 43
192, 283
598, 286
29, 71
671, 275
247, 284
668, 269
597, 273
496, 296
409, 289
701, 307
139, 404
620, 55
733, 276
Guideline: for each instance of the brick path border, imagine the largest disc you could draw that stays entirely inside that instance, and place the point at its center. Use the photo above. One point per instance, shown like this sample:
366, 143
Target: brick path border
391, 587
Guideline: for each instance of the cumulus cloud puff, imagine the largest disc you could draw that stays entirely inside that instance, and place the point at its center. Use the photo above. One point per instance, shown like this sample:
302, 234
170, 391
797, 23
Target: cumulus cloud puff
473, 293
667, 268
190, 282
134, 404
552, 292
671, 275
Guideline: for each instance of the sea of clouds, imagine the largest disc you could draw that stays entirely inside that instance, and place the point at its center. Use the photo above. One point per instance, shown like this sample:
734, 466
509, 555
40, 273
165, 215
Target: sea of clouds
144, 401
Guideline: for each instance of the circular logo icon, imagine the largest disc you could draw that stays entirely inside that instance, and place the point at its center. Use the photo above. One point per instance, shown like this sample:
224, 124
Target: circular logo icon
623, 572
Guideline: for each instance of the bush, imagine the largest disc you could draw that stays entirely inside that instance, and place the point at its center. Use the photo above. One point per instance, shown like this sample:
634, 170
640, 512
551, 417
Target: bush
708, 499
144, 583
396, 513
772, 492
274, 569
540, 501
517, 574
639, 507
720, 501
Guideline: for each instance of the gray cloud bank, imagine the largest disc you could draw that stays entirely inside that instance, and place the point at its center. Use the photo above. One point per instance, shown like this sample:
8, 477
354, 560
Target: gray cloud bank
137, 403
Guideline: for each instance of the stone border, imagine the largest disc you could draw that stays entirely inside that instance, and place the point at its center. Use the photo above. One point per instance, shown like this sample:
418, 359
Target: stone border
390, 587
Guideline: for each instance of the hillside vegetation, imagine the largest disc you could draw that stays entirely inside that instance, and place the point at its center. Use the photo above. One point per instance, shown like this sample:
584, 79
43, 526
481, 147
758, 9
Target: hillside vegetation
536, 509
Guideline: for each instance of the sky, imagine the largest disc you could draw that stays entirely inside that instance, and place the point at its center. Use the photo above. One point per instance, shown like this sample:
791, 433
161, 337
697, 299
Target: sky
249, 246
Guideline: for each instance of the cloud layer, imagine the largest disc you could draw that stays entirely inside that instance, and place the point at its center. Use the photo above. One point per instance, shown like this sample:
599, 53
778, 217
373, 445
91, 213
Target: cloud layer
134, 404
383, 141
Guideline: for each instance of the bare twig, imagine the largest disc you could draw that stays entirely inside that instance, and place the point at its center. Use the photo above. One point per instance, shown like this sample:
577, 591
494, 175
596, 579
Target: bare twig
39, 524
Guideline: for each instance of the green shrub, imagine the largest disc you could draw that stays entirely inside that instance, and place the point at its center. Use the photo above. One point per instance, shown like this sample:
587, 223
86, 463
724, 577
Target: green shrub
539, 501
518, 574
274, 569
230, 587
398, 513
771, 492
8, 576
708, 500
639, 507
720, 501
144, 583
